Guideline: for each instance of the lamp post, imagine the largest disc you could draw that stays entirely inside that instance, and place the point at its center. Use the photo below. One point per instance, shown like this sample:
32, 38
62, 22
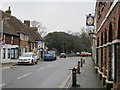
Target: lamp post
1, 38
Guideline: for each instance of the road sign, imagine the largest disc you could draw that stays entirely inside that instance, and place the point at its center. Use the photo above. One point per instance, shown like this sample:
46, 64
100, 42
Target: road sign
39, 43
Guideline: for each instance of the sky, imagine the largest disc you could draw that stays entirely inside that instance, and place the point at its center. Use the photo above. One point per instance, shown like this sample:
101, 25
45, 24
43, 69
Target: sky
55, 15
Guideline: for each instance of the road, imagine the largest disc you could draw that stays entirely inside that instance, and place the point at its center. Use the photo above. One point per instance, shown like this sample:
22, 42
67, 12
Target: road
46, 74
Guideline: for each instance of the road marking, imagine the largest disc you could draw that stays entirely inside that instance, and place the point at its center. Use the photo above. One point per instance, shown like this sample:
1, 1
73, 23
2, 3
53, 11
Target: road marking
65, 82
39, 69
2, 84
24, 75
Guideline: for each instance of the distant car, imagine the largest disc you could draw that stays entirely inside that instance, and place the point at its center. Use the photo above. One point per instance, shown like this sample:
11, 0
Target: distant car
85, 54
78, 53
49, 57
53, 53
28, 58
63, 55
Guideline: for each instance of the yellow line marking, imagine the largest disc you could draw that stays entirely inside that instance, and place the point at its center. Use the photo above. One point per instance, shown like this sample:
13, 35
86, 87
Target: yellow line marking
65, 82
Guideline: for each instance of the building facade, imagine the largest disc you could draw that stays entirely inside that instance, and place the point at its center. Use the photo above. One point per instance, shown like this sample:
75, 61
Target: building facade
17, 37
108, 43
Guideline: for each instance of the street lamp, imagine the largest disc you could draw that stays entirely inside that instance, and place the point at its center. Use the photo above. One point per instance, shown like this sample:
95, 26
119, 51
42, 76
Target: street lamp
1, 38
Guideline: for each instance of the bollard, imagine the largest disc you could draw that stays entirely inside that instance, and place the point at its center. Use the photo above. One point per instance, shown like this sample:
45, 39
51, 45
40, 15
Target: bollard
74, 77
78, 68
84, 60
81, 62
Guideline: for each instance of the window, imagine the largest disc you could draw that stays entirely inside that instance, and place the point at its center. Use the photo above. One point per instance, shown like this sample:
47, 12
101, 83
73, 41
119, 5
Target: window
31, 46
4, 38
105, 39
16, 53
12, 40
12, 53
26, 37
4, 51
8, 53
110, 32
22, 36
119, 28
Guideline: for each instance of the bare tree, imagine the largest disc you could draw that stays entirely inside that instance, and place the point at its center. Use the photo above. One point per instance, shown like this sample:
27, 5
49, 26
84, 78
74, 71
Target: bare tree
42, 30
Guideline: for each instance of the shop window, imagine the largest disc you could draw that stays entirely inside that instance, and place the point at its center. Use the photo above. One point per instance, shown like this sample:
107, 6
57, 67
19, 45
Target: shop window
16, 53
12, 53
8, 53
4, 51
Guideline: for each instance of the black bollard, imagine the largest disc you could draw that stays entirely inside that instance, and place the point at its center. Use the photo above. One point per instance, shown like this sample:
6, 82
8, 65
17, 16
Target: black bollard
81, 62
78, 68
74, 77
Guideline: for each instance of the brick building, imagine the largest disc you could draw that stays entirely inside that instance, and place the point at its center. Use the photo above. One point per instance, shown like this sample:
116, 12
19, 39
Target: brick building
108, 42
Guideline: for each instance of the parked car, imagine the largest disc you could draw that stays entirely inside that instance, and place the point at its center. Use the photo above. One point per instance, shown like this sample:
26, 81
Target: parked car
53, 53
49, 57
63, 55
78, 53
28, 58
85, 54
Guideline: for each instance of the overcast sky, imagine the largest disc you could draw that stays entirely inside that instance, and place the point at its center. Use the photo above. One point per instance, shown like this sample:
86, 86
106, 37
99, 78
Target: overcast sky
55, 16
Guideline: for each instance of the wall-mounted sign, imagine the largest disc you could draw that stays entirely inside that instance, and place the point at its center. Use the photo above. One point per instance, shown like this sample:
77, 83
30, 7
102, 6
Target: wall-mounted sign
90, 20
39, 44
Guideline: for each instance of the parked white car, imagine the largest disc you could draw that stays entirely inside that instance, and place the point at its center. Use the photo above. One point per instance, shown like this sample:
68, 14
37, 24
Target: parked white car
28, 58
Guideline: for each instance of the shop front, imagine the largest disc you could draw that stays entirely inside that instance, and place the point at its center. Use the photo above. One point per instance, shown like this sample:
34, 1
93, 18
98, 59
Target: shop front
10, 51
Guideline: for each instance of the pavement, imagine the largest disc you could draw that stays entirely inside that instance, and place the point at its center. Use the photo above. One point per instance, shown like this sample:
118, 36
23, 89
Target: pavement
7, 63
88, 77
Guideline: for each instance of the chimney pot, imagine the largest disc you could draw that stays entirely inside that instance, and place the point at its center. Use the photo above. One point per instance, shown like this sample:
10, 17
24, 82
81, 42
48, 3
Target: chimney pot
27, 22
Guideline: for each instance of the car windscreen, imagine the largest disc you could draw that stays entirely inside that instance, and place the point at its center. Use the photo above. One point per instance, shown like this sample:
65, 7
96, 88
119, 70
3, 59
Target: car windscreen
51, 52
27, 55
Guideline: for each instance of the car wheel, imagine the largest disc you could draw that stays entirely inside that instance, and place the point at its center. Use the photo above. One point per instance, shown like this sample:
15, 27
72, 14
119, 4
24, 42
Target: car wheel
36, 62
55, 58
32, 62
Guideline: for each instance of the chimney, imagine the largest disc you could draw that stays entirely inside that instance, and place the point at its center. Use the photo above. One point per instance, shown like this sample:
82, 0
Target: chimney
8, 11
27, 22
8, 8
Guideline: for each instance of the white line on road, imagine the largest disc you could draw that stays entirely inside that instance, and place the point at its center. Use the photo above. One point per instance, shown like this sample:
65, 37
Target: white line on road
65, 82
2, 84
39, 69
24, 75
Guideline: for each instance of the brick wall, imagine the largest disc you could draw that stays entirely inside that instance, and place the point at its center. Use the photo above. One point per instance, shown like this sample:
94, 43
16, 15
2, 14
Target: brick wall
109, 32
